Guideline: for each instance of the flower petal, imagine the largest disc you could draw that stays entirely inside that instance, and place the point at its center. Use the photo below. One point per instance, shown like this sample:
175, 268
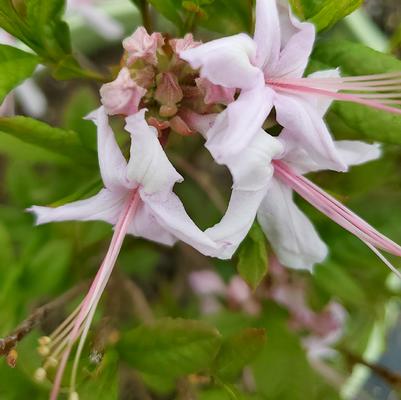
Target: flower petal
354, 152
172, 217
226, 62
294, 57
105, 26
113, 165
147, 226
236, 222
321, 103
239, 123
267, 34
291, 234
123, 95
104, 206
306, 128
251, 177
148, 165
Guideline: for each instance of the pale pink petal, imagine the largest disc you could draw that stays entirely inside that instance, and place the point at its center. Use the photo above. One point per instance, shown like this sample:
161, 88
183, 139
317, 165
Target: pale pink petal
206, 283
123, 95
267, 34
236, 222
354, 152
104, 206
198, 122
145, 225
294, 57
148, 165
185, 43
105, 26
239, 123
238, 290
251, 172
291, 234
171, 216
7, 107
31, 98
321, 103
141, 45
215, 94
306, 128
113, 166
227, 62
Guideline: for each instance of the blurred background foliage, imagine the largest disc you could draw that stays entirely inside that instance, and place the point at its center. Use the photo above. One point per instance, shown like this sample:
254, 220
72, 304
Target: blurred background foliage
151, 339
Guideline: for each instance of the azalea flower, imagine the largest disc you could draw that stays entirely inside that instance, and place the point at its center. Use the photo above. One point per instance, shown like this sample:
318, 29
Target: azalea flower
102, 23
292, 235
251, 173
268, 69
137, 199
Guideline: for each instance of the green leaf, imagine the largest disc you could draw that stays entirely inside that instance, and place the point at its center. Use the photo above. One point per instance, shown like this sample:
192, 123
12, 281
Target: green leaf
338, 283
356, 121
60, 141
15, 66
171, 347
237, 351
44, 18
252, 257
81, 103
282, 370
324, 13
227, 16
170, 10
104, 383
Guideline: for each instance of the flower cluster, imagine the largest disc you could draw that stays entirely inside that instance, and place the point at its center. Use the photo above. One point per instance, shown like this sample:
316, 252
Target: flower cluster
224, 90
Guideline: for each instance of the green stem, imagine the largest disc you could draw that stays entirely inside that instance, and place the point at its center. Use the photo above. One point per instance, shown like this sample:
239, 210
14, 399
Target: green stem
146, 18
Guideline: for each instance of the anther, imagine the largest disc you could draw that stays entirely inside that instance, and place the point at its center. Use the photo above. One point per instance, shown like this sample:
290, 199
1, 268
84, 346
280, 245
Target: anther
44, 340
40, 375
73, 396
43, 351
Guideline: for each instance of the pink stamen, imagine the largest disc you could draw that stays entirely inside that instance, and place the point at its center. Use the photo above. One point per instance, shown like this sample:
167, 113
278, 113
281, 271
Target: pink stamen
338, 96
376, 91
98, 284
336, 211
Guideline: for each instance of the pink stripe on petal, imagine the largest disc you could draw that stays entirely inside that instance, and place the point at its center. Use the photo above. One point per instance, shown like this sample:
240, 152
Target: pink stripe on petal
336, 211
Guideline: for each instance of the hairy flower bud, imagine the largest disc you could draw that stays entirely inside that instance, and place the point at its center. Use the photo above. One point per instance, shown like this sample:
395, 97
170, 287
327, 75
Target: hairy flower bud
141, 45
123, 95
168, 90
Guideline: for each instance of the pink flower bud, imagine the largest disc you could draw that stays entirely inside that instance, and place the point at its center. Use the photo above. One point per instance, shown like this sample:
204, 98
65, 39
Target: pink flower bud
186, 43
123, 95
168, 90
215, 94
141, 45
178, 125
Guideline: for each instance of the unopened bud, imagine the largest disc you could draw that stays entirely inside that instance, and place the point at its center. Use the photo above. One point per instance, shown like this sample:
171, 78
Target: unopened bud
178, 125
168, 90
73, 396
168, 111
40, 375
11, 358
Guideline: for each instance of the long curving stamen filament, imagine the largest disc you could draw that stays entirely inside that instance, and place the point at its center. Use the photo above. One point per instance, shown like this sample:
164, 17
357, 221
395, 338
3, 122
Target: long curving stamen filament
378, 91
88, 307
340, 214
